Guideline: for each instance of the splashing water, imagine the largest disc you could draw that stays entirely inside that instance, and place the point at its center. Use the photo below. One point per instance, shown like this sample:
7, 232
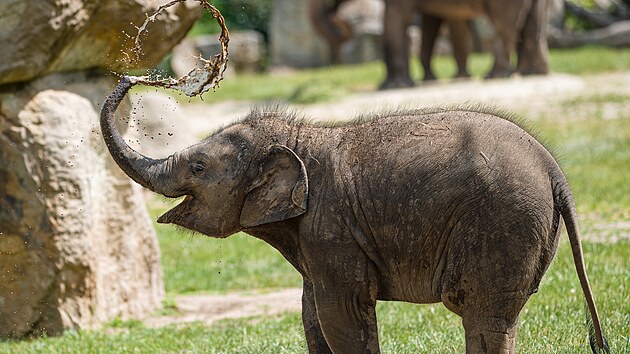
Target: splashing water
198, 80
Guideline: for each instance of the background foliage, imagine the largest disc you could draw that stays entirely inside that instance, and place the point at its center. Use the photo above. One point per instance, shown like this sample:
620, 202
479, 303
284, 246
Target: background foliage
239, 15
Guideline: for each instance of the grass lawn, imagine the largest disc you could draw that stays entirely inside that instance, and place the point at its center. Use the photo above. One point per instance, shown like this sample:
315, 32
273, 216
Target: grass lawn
594, 152
551, 322
329, 83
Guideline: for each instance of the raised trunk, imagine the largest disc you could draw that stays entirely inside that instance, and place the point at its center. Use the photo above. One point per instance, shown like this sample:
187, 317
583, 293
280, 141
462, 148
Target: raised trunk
150, 173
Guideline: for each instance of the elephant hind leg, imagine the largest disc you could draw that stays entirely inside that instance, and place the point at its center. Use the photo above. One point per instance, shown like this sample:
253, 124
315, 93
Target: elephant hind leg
490, 320
489, 334
532, 47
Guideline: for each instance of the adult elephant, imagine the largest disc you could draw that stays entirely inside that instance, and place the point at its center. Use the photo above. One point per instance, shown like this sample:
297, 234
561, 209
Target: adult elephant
520, 25
336, 31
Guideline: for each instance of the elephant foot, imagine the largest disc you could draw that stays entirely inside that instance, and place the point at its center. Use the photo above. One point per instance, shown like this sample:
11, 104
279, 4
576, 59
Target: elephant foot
462, 76
533, 71
429, 79
389, 83
428, 76
533, 65
499, 74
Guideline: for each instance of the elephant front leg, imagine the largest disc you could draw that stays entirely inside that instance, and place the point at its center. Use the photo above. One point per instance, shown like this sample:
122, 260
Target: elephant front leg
501, 67
346, 308
430, 29
460, 38
396, 44
314, 337
348, 320
532, 48
507, 22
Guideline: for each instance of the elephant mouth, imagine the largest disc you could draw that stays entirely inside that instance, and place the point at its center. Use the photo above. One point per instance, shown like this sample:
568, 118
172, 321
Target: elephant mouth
177, 212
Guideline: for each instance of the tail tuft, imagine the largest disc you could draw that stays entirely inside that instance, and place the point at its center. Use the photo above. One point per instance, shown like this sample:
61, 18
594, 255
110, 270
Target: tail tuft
605, 349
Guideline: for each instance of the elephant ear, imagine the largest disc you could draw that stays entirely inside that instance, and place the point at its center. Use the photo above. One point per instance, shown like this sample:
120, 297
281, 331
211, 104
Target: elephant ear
279, 192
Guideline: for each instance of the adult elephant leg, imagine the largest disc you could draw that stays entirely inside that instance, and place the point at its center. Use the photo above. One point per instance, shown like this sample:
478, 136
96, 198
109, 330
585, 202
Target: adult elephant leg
396, 44
502, 48
346, 301
314, 336
460, 38
533, 52
508, 19
430, 29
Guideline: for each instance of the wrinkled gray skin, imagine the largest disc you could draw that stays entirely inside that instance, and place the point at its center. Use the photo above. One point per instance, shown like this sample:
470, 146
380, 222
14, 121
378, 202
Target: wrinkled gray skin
454, 206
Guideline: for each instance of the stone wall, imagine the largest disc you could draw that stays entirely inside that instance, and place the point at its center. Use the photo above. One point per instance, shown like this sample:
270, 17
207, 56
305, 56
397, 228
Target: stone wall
76, 244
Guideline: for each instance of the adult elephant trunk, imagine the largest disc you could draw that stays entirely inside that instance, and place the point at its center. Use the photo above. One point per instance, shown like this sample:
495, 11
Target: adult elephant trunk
326, 22
155, 175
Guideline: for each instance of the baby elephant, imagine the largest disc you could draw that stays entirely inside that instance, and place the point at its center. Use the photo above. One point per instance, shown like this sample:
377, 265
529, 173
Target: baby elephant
457, 206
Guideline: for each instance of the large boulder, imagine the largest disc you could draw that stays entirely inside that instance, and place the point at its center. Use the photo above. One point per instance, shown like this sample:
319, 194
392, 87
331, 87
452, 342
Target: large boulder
365, 17
76, 245
38, 37
293, 41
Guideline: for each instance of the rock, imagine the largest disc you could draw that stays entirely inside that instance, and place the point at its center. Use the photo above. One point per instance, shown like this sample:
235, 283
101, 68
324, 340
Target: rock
247, 50
366, 20
293, 41
38, 37
76, 245
184, 58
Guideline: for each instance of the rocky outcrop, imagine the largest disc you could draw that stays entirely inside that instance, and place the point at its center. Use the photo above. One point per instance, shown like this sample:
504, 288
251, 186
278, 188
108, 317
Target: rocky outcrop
39, 37
76, 244
77, 247
293, 41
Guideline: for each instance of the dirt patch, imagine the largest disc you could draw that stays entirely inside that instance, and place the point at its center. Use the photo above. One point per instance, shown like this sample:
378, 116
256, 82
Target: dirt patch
208, 309
605, 232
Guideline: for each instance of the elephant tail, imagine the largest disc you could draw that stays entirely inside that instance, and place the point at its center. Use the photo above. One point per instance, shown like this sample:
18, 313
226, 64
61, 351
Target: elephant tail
598, 343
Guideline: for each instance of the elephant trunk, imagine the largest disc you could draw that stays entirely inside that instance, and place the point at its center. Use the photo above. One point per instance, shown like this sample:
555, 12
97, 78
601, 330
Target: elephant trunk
155, 175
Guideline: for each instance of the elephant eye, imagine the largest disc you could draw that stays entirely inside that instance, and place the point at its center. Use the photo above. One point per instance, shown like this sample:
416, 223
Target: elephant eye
197, 167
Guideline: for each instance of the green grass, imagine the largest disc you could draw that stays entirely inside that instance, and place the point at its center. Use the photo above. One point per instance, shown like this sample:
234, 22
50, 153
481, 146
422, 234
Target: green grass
551, 322
366, 77
193, 264
595, 155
